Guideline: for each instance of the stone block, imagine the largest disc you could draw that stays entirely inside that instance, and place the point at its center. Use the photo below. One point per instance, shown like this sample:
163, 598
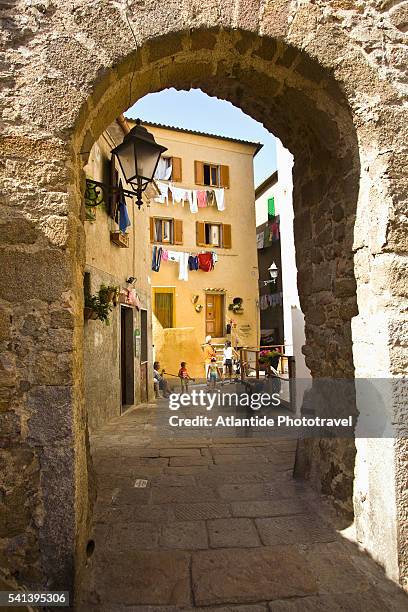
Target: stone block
128, 536
51, 369
164, 47
278, 507
51, 419
345, 287
62, 318
203, 39
241, 492
185, 535
189, 460
159, 578
18, 231
233, 533
266, 49
10, 428
174, 495
180, 452
334, 571
48, 272
250, 575
202, 511
5, 325
238, 458
297, 529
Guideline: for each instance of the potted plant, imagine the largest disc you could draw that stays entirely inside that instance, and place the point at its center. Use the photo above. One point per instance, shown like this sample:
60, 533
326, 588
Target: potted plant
91, 305
236, 305
99, 306
269, 358
109, 293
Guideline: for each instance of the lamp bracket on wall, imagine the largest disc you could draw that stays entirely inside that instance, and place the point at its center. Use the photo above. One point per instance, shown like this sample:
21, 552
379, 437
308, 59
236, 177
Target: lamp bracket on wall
267, 282
97, 193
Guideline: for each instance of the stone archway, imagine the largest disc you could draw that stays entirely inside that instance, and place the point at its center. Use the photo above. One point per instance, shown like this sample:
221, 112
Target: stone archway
301, 70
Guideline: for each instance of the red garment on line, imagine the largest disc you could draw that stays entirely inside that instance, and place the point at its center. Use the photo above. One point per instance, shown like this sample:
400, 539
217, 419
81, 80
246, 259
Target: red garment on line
202, 199
205, 261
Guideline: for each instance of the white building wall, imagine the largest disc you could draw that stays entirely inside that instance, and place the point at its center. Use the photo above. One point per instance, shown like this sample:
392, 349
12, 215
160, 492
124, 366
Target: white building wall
293, 319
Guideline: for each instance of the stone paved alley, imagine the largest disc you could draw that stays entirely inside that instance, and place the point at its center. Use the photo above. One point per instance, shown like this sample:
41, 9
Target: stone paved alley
221, 525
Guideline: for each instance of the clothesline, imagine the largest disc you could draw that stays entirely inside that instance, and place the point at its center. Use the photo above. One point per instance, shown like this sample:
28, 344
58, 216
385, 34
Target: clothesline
269, 234
187, 261
272, 299
197, 198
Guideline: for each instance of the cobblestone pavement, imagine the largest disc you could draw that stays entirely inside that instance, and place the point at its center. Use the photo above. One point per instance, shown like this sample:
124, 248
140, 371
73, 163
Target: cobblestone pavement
221, 525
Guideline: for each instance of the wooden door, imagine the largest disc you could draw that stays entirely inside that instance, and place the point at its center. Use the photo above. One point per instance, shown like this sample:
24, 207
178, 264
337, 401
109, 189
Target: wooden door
164, 305
214, 314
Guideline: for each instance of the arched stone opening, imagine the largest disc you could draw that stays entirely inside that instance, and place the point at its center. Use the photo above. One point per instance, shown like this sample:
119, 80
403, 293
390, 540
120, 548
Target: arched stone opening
302, 104
330, 138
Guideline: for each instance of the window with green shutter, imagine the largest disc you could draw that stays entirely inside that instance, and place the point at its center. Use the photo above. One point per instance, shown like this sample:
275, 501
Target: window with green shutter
271, 207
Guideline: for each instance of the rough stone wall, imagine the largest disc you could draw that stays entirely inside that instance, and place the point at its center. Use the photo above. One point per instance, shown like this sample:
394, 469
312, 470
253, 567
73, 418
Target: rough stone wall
328, 78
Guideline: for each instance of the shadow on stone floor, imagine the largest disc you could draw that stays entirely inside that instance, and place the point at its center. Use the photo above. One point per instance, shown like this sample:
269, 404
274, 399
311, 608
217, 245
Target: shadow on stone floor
221, 525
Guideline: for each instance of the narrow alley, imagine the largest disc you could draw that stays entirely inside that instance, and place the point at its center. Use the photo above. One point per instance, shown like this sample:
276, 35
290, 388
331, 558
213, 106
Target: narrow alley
219, 525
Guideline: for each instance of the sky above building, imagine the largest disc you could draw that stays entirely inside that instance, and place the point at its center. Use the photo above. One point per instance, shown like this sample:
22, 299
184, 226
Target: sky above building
195, 110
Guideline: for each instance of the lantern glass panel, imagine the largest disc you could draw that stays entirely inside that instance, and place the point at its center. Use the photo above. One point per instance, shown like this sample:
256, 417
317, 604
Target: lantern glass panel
126, 156
147, 157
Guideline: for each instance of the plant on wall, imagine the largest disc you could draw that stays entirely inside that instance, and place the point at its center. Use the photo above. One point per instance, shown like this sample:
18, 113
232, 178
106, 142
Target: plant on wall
109, 293
99, 306
236, 305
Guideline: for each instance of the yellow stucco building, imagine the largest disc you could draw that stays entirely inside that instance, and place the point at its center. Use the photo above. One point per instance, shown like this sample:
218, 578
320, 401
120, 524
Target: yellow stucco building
118, 359
189, 229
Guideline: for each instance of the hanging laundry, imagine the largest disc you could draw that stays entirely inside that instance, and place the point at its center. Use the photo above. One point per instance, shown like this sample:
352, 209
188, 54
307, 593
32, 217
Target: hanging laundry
164, 169
133, 298
205, 261
211, 201
263, 303
156, 258
219, 196
191, 197
173, 255
193, 262
164, 255
178, 194
164, 193
260, 240
193, 202
202, 199
183, 266
182, 258
275, 235
124, 220
214, 258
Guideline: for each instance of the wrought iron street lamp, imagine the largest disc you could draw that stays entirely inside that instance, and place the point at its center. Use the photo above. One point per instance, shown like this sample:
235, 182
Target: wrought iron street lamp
273, 273
138, 156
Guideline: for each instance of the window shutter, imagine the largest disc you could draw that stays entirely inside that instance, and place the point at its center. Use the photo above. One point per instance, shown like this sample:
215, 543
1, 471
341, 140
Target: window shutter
151, 229
224, 177
200, 233
199, 172
226, 236
176, 172
178, 231
271, 207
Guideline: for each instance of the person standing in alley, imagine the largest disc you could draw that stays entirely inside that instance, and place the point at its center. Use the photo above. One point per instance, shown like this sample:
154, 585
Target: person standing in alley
184, 377
209, 354
228, 353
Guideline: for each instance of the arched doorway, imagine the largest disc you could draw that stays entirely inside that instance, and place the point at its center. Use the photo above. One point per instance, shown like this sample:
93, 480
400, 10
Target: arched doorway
315, 107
